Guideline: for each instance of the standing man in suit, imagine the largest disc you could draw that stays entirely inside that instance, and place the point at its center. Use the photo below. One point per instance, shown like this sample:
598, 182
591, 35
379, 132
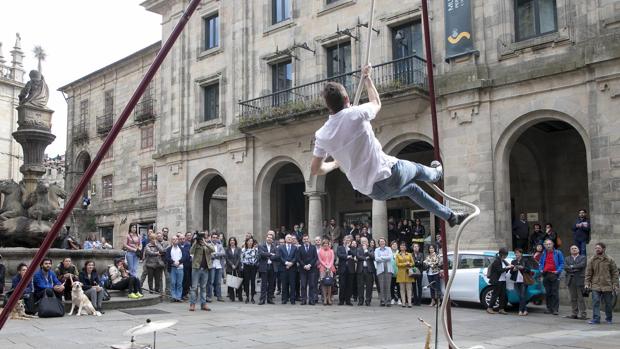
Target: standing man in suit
342, 252
575, 267
288, 254
308, 272
267, 266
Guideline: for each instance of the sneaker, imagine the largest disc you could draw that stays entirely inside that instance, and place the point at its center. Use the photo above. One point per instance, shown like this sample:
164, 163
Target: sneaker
140, 295
399, 302
393, 302
490, 311
594, 322
609, 322
437, 165
133, 296
503, 312
457, 218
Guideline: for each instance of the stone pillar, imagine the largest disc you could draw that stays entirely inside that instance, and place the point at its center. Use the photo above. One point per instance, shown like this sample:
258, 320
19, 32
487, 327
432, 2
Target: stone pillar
315, 213
379, 219
34, 136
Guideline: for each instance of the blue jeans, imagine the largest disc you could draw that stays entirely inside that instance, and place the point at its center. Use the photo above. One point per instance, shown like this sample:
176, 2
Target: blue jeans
596, 305
132, 263
176, 283
402, 182
522, 292
215, 282
200, 278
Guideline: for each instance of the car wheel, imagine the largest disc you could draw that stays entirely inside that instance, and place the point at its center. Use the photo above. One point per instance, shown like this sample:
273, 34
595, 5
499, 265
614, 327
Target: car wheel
485, 298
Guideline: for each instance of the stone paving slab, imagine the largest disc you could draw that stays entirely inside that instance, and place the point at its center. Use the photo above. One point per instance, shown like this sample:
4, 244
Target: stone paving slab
236, 325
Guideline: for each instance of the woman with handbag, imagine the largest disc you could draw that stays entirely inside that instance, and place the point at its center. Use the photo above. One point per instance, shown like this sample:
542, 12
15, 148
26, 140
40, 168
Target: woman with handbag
249, 262
233, 267
91, 285
418, 260
521, 275
433, 264
154, 264
326, 271
404, 275
133, 246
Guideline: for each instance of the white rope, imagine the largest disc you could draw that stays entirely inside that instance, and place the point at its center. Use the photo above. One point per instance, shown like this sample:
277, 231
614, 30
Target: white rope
358, 92
446, 295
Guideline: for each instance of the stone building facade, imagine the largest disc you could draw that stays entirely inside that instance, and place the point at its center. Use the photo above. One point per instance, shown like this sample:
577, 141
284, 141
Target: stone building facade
123, 190
11, 83
527, 120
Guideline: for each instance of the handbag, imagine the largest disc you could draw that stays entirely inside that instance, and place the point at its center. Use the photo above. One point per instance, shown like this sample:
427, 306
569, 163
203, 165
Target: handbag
414, 271
328, 281
233, 281
50, 306
528, 279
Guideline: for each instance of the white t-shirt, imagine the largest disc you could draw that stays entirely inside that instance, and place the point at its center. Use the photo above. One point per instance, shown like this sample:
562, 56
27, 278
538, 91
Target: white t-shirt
349, 138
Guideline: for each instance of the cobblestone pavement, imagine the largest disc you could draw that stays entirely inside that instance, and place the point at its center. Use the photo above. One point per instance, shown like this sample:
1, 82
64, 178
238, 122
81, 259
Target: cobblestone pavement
237, 325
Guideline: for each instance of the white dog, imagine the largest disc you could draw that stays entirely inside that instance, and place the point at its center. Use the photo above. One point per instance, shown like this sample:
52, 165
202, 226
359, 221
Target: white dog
81, 301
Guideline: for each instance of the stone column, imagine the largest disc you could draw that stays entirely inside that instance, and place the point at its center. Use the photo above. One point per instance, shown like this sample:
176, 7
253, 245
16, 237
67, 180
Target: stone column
379, 219
315, 213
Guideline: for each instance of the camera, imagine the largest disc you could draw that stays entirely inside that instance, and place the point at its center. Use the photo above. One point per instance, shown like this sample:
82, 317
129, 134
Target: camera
199, 235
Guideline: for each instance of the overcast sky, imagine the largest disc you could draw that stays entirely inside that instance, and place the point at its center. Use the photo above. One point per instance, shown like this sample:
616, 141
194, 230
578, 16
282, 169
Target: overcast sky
79, 37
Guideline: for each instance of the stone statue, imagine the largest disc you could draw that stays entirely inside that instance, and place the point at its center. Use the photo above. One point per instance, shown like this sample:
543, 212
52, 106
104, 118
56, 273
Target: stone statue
25, 220
18, 40
12, 205
36, 92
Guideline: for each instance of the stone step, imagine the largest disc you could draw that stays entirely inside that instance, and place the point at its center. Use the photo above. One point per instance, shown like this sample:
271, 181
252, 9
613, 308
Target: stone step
119, 300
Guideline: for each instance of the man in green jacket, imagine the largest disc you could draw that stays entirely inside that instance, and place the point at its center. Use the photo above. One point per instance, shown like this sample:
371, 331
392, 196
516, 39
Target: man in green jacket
602, 279
201, 251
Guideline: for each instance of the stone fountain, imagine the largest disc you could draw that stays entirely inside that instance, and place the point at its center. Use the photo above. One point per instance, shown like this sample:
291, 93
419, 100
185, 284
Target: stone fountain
30, 207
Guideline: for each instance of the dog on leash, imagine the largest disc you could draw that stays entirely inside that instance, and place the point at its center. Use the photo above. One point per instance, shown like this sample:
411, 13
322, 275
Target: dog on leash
81, 301
19, 312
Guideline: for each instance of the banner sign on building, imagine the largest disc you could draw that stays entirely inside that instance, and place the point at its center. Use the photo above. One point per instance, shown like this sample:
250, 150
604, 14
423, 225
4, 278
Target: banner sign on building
459, 39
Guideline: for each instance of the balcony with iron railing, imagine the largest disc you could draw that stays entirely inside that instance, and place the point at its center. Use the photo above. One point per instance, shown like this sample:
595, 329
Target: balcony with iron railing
80, 131
104, 123
397, 77
145, 111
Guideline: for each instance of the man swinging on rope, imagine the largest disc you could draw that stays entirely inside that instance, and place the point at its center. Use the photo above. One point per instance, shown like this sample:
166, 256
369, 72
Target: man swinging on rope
349, 138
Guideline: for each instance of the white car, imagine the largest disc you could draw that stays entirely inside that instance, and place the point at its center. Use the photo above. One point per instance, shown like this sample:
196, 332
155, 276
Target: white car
472, 285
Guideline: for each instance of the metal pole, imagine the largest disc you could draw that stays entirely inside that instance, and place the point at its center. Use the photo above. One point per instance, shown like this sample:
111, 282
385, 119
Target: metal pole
436, 150
90, 171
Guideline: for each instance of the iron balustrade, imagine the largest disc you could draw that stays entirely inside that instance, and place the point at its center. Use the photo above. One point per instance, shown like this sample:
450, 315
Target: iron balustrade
145, 110
80, 131
104, 123
400, 74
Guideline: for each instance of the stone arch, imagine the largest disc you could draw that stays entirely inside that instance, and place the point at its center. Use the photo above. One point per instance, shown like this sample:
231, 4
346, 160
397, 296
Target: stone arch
502, 151
398, 143
263, 184
198, 189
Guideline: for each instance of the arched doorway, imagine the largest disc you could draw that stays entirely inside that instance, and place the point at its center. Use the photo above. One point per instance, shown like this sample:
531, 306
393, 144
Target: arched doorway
214, 204
549, 176
345, 204
420, 151
287, 201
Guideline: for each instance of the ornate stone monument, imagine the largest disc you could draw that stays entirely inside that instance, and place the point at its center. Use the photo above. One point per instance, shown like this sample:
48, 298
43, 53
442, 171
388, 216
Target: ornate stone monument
30, 207
34, 131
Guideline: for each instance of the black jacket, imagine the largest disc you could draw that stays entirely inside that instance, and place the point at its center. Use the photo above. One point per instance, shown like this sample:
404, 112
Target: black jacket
418, 260
264, 255
286, 256
520, 230
369, 257
575, 270
311, 257
233, 259
87, 283
514, 273
496, 269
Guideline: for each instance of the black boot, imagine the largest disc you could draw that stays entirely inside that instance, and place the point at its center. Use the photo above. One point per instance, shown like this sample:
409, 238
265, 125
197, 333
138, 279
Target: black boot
456, 219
